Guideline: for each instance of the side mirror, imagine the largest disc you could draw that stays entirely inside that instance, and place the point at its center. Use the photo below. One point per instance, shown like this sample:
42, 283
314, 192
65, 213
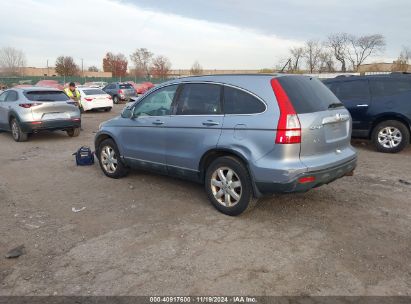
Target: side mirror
127, 113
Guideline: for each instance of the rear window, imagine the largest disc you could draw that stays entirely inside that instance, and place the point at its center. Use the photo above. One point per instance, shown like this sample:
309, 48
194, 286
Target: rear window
239, 102
126, 86
46, 96
308, 94
94, 92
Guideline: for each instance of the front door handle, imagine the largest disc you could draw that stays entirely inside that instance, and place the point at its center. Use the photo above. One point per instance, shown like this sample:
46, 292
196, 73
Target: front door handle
362, 105
210, 123
158, 122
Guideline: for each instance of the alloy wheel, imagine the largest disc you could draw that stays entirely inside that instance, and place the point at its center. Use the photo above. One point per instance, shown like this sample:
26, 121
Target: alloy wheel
226, 186
15, 130
109, 159
389, 137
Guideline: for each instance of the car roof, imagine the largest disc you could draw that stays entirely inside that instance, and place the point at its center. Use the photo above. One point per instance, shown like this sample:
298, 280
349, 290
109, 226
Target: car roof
34, 88
365, 77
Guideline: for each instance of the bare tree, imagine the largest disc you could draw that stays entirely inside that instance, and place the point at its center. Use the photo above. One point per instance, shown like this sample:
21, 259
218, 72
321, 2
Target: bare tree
161, 66
296, 56
65, 66
338, 44
141, 59
12, 61
363, 47
93, 69
312, 51
326, 62
401, 64
196, 69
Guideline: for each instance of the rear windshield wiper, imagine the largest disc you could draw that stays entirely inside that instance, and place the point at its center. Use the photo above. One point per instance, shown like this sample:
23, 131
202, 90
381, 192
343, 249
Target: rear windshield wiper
335, 105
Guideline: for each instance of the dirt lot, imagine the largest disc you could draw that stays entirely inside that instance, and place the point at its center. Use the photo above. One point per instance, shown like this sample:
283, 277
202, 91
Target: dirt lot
154, 235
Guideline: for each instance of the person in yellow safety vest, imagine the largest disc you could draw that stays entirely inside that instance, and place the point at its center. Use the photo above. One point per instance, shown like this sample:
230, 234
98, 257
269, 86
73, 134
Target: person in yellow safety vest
73, 94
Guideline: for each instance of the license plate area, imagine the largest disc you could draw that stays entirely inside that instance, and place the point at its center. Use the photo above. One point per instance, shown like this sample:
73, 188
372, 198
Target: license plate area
336, 131
55, 116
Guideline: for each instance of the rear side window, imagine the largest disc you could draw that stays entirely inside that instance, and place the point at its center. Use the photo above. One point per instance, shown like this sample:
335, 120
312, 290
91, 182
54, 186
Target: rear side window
308, 94
389, 87
93, 92
46, 96
199, 99
351, 90
239, 102
125, 86
12, 96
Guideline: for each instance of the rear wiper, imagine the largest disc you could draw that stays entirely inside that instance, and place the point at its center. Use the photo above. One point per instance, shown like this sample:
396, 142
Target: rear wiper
335, 105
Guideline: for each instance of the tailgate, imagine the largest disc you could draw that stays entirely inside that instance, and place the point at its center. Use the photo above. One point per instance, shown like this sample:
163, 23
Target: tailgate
325, 122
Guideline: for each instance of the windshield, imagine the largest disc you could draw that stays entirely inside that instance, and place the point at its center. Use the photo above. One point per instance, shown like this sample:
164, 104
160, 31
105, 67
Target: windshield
46, 96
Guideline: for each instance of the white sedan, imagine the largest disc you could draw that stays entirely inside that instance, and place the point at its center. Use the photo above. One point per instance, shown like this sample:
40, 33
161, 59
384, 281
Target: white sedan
94, 98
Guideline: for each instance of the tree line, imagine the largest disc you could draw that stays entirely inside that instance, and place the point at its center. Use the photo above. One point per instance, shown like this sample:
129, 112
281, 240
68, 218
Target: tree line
338, 52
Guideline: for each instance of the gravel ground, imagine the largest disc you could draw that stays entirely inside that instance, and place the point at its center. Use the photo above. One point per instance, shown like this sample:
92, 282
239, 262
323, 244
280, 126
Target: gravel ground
153, 235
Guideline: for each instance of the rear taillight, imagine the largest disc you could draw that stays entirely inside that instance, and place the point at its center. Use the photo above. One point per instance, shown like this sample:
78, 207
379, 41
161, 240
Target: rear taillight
88, 99
29, 105
288, 128
120, 91
109, 97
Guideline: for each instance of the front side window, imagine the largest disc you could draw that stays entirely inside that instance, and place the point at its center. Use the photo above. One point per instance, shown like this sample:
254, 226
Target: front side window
3, 96
199, 99
349, 90
239, 102
157, 103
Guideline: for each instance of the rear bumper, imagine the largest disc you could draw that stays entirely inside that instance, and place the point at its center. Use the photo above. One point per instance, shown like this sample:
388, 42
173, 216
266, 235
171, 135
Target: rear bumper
29, 127
321, 177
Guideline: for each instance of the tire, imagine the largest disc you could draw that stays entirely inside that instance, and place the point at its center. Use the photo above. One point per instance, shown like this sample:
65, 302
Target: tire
118, 169
390, 136
75, 132
107, 109
116, 100
240, 176
16, 132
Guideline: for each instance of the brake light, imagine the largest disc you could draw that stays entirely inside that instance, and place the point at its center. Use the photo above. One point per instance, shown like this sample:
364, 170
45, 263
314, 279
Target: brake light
120, 91
36, 122
88, 99
109, 97
306, 179
289, 127
29, 105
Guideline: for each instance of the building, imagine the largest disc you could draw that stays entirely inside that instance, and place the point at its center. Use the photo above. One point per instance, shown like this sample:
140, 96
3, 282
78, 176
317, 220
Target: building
51, 72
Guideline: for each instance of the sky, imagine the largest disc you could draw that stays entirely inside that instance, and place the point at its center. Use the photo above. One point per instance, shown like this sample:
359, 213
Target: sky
220, 34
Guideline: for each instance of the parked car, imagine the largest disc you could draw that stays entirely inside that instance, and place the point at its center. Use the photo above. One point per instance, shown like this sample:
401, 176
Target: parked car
380, 107
94, 98
243, 136
120, 91
96, 84
29, 110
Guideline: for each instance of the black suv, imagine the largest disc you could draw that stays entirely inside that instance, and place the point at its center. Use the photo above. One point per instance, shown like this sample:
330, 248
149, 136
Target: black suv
380, 106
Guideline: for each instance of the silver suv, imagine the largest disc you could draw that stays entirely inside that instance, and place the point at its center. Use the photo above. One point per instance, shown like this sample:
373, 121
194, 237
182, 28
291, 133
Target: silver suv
30, 110
243, 136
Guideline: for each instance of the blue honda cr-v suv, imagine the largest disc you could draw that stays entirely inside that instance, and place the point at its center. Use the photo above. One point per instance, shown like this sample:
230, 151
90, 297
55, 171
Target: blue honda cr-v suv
380, 106
243, 136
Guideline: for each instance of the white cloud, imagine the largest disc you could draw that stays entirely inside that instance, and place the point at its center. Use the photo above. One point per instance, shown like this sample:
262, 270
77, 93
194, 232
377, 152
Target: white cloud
88, 29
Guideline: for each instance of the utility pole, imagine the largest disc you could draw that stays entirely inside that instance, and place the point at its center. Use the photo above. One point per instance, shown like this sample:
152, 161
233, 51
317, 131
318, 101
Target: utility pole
82, 70
47, 67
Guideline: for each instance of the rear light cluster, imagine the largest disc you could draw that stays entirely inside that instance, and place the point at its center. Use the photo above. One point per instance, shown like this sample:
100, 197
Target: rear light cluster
29, 105
120, 92
109, 97
288, 128
88, 99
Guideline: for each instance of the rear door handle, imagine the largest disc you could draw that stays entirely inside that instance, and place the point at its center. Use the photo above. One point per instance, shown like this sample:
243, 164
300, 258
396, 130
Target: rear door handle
210, 123
158, 122
362, 105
